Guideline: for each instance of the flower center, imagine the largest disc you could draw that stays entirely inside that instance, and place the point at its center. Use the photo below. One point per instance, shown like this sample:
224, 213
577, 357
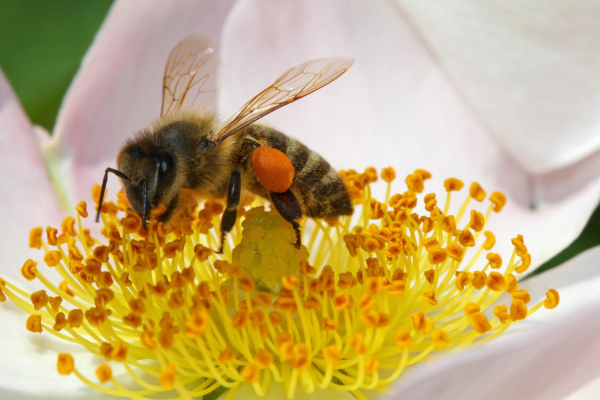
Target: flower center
367, 297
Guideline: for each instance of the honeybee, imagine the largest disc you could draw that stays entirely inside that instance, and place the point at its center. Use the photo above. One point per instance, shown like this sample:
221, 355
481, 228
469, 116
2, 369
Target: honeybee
188, 148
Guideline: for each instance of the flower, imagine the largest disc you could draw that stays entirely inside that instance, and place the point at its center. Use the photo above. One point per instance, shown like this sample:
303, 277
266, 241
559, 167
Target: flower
396, 106
391, 288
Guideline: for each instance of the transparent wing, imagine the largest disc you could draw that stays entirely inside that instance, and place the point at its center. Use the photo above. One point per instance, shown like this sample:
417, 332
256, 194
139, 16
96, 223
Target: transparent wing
188, 72
294, 84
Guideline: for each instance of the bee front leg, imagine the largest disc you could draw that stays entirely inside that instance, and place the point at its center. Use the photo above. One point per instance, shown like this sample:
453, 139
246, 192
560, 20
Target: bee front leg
233, 200
289, 208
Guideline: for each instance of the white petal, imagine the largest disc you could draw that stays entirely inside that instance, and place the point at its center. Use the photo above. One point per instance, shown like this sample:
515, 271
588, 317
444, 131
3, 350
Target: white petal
119, 86
528, 68
27, 198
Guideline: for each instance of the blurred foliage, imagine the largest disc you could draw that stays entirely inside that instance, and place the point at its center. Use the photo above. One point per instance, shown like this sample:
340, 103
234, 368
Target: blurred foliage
42, 44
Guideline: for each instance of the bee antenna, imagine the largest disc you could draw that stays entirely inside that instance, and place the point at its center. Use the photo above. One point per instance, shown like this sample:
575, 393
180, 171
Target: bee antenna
117, 173
144, 206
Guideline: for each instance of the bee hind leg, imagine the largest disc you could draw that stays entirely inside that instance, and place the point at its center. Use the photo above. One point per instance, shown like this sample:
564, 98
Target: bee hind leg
289, 208
233, 200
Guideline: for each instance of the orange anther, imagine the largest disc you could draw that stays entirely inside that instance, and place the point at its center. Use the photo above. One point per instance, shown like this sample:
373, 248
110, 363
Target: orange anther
518, 310
246, 283
462, 280
429, 297
552, 299
273, 169
39, 299
521, 295
477, 221
476, 192
453, 184
240, 319
440, 338
51, 236
75, 318
290, 282
496, 282
495, 260
466, 238
263, 359
357, 343
429, 275
472, 308
68, 226
52, 258
455, 251
65, 364
34, 323
511, 283
60, 321
35, 237
275, 318
525, 263
104, 373
251, 373
331, 354
437, 256
479, 322
82, 209
388, 174
501, 312
201, 252
449, 224
226, 356
479, 279
157, 211
197, 325
403, 339
371, 365
415, 182
167, 377
28, 270
490, 240
499, 200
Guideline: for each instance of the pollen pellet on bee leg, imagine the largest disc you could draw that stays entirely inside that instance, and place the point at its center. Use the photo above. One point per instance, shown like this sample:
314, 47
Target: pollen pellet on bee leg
273, 169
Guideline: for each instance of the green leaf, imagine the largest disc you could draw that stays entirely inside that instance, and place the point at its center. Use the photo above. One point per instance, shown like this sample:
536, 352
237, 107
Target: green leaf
42, 44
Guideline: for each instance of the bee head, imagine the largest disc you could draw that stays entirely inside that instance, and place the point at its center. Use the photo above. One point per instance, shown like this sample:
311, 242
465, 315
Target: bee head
151, 174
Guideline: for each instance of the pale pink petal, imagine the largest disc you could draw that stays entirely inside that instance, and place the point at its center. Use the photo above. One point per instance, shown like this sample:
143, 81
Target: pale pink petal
396, 107
591, 391
529, 68
119, 86
544, 363
27, 198
28, 362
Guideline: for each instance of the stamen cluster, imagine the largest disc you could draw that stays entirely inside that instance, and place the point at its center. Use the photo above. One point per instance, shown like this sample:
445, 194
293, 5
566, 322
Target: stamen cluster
367, 297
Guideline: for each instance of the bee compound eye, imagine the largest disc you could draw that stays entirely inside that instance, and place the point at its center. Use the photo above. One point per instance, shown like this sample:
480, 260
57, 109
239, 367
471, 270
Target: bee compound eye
166, 173
165, 162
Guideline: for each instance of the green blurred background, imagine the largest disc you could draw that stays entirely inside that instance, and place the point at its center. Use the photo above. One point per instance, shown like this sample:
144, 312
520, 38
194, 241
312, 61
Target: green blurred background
43, 42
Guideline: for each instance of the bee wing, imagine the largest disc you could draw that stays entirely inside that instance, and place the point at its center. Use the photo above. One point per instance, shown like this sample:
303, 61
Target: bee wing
294, 84
188, 74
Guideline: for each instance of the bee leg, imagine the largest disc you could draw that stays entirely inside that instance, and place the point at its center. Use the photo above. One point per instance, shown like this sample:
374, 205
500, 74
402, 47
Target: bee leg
233, 200
289, 208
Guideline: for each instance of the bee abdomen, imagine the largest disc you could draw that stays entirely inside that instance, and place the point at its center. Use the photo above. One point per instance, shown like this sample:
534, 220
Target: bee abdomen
323, 193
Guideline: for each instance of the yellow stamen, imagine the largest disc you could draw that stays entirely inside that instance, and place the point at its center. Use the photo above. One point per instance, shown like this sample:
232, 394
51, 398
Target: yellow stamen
364, 298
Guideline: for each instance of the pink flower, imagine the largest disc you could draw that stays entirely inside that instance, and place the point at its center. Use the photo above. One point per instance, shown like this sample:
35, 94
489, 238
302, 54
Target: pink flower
464, 90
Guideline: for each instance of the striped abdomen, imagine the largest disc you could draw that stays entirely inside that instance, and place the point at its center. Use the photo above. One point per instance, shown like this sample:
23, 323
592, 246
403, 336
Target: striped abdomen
317, 186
